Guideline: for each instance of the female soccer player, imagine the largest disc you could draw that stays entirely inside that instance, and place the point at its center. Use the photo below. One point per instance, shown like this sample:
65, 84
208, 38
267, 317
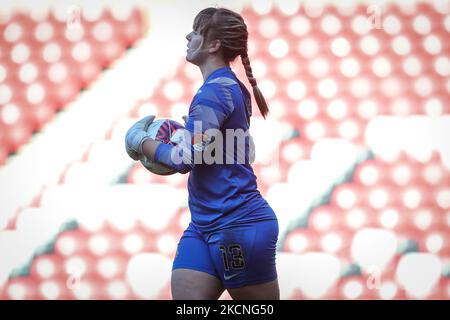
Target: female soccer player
231, 240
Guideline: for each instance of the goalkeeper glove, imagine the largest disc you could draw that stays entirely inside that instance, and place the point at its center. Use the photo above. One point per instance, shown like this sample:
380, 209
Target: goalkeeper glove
136, 136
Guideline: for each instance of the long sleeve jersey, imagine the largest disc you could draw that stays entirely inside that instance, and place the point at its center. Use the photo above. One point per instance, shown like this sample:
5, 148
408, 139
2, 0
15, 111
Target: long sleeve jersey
218, 154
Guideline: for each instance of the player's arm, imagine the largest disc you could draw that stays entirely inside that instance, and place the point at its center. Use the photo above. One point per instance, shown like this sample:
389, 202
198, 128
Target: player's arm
206, 114
149, 148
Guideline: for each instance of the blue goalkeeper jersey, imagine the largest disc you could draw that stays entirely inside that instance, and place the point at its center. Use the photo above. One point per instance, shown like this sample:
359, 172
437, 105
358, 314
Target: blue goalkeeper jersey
222, 192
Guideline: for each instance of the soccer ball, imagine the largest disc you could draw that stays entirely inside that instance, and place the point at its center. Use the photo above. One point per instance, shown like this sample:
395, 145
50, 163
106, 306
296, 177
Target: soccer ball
161, 130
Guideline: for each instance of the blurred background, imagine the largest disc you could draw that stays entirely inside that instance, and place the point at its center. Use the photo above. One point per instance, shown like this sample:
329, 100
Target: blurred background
354, 156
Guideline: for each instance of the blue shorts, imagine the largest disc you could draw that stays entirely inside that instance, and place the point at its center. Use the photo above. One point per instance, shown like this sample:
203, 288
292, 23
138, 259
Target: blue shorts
239, 255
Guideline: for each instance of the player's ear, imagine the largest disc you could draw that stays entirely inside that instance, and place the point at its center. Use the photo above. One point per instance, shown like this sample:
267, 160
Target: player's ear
214, 46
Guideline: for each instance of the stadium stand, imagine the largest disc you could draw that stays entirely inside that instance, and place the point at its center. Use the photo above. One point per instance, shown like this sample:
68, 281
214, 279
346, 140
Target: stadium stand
359, 174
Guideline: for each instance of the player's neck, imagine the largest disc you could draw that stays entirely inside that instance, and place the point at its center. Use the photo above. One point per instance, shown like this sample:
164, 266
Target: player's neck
210, 66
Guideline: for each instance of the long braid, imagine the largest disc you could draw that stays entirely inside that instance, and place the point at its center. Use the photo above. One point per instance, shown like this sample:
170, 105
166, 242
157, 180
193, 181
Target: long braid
260, 101
229, 27
248, 69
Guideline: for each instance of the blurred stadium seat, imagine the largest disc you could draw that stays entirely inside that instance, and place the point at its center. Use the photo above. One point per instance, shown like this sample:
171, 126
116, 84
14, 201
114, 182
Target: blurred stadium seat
356, 164
44, 65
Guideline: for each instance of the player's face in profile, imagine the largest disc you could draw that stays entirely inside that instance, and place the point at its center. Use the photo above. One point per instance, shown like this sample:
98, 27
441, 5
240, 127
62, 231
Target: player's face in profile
195, 53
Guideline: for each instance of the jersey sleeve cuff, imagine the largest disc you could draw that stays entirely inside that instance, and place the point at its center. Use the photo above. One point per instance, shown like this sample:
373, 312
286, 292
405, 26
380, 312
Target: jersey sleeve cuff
162, 148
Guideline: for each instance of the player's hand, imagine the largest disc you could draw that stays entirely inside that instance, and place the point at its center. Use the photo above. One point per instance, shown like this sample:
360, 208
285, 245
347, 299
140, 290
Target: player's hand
136, 136
185, 119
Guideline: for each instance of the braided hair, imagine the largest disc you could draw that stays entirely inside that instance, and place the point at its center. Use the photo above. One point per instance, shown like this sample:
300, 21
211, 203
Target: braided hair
229, 27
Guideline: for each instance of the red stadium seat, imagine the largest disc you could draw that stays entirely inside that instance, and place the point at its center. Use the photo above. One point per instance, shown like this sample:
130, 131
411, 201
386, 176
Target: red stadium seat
118, 289
42, 113
426, 218
347, 196
295, 149
370, 172
337, 242
15, 31
302, 240
359, 217
18, 133
32, 50
391, 217
325, 73
88, 287
130, 26
382, 196
444, 289
436, 241
53, 289
47, 266
112, 267
71, 243
389, 289
324, 218
354, 288
20, 288
80, 265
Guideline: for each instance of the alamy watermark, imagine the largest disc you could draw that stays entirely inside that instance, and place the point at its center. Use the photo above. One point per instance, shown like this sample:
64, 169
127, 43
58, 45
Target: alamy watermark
214, 146
374, 16
374, 279
73, 20
75, 272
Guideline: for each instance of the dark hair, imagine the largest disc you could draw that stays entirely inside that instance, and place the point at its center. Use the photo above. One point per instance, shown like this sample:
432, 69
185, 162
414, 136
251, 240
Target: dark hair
229, 27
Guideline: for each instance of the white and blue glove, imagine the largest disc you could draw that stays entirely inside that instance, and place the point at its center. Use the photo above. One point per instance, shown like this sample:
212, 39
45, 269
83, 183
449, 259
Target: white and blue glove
136, 136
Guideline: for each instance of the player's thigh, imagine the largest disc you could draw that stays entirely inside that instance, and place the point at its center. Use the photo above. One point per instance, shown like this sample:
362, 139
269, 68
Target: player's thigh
244, 257
193, 272
263, 291
188, 284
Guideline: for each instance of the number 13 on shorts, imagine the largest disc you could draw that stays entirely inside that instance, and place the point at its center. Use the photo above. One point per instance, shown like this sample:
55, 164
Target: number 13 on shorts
233, 257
